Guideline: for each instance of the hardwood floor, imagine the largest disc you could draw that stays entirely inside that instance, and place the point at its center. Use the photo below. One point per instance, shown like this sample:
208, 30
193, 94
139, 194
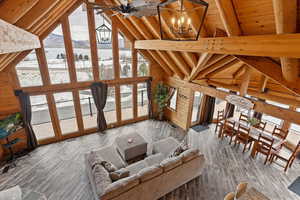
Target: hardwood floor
58, 171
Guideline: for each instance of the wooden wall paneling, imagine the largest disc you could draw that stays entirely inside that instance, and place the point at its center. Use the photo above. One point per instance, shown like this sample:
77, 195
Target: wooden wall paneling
69, 49
12, 11
286, 22
93, 42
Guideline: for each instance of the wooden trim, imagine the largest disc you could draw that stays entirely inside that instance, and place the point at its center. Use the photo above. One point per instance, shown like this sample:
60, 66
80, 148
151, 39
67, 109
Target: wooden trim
69, 49
134, 59
54, 116
80, 85
77, 107
261, 107
245, 82
115, 48
43, 65
118, 104
135, 100
93, 43
284, 45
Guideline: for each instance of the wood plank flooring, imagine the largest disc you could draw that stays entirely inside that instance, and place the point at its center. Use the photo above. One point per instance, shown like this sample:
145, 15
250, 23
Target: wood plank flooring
58, 171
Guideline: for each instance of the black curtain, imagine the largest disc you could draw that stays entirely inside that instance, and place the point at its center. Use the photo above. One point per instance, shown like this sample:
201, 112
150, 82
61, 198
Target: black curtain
99, 92
229, 110
258, 115
149, 95
208, 110
27, 115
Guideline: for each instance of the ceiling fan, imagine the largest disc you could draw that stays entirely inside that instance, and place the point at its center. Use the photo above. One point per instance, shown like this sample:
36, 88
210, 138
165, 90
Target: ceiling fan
138, 8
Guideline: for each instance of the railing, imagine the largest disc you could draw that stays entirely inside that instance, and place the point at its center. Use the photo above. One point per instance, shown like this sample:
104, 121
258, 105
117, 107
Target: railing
43, 118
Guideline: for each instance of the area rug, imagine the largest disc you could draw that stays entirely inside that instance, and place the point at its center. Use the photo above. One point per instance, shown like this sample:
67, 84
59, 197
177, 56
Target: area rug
200, 128
295, 186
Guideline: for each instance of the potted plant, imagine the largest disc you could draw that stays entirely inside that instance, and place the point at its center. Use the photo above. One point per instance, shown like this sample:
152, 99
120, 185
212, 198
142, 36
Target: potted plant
253, 121
161, 95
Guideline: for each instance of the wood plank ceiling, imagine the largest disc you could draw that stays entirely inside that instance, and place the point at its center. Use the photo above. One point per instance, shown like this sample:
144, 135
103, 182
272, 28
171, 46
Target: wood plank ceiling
224, 18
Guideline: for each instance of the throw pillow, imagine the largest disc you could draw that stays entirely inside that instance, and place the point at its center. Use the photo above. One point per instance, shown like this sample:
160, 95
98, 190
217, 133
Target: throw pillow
180, 149
108, 166
119, 174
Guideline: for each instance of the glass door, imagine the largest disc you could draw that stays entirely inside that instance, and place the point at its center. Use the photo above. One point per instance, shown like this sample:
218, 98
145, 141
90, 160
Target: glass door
196, 108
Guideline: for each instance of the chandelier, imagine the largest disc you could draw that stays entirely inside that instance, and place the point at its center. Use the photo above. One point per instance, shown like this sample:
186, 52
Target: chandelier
176, 16
103, 33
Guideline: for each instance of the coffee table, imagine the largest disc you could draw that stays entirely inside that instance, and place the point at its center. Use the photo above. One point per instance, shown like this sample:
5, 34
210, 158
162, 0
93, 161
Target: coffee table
132, 147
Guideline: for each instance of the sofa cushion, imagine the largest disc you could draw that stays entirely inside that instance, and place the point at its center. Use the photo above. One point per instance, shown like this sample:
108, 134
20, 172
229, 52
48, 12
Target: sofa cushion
120, 186
136, 167
94, 159
150, 172
154, 159
189, 154
180, 149
165, 146
108, 166
292, 140
110, 154
101, 178
171, 163
119, 174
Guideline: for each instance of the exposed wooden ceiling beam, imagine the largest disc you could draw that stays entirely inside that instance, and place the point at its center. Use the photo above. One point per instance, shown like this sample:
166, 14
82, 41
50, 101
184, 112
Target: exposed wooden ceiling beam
234, 63
270, 69
180, 64
215, 66
15, 39
285, 45
12, 11
263, 83
245, 81
36, 13
138, 35
286, 22
228, 17
201, 62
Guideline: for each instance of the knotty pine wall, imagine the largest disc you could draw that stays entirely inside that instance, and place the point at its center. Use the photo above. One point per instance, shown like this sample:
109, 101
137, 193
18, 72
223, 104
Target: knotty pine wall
182, 115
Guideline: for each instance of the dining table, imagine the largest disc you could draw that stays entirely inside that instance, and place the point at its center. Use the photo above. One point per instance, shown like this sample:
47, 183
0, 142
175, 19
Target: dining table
254, 134
253, 194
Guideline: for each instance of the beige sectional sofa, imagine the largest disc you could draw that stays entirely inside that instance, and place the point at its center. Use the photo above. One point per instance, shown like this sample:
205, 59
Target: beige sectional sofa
149, 179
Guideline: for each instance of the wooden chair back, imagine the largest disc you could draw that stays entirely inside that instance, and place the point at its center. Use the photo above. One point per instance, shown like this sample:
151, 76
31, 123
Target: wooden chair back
243, 118
265, 144
229, 125
243, 133
220, 115
229, 196
279, 133
261, 125
296, 151
241, 189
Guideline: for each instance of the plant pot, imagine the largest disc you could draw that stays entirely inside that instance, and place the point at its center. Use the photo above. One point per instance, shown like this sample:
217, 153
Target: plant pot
161, 116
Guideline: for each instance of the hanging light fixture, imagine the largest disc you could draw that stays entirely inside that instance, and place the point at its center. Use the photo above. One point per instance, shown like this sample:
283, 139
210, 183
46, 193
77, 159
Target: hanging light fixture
175, 16
103, 33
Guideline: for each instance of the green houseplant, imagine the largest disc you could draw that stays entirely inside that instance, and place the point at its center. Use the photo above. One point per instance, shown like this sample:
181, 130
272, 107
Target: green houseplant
253, 121
161, 96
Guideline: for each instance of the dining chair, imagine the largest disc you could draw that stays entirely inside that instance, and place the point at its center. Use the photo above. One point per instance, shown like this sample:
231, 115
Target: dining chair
228, 130
264, 146
241, 189
286, 156
229, 196
243, 136
220, 120
280, 133
261, 125
243, 118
